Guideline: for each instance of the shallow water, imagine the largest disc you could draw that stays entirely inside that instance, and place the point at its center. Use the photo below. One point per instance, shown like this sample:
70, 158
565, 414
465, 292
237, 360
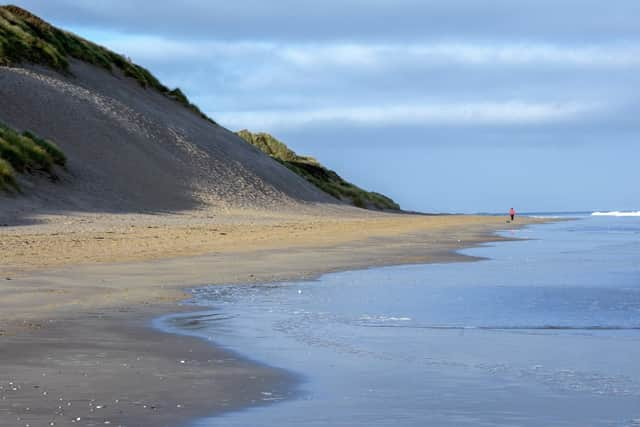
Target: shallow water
546, 332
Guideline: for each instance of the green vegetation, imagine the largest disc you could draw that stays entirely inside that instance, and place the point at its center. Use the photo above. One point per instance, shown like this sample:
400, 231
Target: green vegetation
273, 147
26, 153
26, 38
323, 178
7, 176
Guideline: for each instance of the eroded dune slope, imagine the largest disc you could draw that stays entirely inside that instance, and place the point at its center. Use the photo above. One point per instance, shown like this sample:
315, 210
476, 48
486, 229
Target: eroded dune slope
132, 148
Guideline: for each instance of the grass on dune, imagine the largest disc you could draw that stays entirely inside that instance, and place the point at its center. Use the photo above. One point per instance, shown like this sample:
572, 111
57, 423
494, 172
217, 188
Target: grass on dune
271, 146
323, 178
7, 176
331, 183
26, 153
25, 38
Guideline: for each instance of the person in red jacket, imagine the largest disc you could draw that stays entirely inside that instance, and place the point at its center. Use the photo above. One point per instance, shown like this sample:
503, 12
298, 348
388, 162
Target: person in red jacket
512, 212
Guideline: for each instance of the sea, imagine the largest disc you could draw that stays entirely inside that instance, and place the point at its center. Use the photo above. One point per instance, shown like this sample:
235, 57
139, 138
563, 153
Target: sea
542, 331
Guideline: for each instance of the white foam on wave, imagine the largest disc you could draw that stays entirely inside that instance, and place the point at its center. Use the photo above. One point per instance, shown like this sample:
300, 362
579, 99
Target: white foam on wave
366, 317
616, 213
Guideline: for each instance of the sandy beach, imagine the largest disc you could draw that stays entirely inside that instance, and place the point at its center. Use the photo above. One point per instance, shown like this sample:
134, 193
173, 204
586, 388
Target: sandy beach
155, 200
78, 293
151, 155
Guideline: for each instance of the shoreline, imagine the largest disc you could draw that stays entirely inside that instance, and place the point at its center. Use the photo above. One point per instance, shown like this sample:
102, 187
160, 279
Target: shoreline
113, 304
506, 335
126, 373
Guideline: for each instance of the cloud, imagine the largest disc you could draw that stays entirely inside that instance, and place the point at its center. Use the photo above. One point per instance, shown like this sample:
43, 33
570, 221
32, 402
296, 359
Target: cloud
368, 55
277, 86
469, 53
460, 114
310, 20
380, 63
271, 86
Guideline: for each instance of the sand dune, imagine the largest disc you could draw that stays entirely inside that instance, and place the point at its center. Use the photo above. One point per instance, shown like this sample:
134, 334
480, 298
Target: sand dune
133, 149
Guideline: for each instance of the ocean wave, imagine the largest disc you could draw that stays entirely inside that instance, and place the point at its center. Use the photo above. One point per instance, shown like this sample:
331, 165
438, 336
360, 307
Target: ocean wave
616, 213
366, 317
517, 327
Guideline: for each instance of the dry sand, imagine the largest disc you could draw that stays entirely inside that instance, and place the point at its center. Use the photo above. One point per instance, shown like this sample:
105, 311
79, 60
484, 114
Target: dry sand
74, 314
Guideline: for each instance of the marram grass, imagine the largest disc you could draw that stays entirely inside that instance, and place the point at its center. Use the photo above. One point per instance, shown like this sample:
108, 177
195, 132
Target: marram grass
26, 153
7, 176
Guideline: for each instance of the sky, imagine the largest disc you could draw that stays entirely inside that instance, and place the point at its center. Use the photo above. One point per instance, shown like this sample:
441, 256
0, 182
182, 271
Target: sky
446, 106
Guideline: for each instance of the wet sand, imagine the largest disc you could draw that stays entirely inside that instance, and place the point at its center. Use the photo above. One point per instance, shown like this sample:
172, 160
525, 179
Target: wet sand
77, 308
101, 368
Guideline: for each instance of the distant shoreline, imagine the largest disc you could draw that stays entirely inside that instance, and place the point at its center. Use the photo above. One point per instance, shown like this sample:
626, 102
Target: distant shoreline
92, 318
